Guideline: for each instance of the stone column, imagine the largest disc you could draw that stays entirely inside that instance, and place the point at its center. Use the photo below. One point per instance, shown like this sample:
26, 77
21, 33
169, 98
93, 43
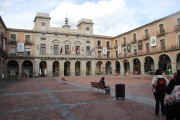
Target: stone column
20, 72
142, 69
36, 66
122, 69
131, 68
104, 69
49, 68
72, 68
93, 67
173, 68
156, 66
61, 68
113, 67
83, 68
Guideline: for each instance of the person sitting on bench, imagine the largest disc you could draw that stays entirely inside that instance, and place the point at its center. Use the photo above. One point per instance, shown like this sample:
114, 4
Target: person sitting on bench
102, 81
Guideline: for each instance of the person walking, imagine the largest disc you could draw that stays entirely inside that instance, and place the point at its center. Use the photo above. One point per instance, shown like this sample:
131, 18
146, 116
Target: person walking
169, 72
173, 111
102, 81
158, 83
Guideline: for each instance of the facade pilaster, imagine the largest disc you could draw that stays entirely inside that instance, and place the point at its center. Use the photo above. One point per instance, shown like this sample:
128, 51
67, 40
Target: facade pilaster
49, 68
122, 69
20, 72
72, 68
83, 68
93, 67
131, 67
173, 68
142, 69
61, 68
36, 68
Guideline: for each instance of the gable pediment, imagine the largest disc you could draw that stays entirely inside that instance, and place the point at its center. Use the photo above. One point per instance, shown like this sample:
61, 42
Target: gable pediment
56, 41
67, 42
77, 43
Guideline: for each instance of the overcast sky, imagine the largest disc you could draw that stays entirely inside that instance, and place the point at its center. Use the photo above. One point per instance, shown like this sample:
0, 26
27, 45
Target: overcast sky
110, 17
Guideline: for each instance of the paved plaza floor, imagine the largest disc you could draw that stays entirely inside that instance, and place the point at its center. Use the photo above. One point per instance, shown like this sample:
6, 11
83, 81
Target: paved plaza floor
53, 99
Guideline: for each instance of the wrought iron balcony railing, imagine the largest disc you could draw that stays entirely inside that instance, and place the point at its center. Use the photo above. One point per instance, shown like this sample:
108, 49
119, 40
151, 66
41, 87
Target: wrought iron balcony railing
161, 32
177, 28
133, 40
3, 52
146, 37
123, 43
99, 46
115, 46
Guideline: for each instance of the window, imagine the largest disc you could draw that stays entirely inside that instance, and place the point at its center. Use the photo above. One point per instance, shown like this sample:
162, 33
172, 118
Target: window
162, 44
27, 38
77, 36
107, 43
87, 41
43, 38
147, 47
146, 33
116, 54
67, 35
161, 28
27, 52
13, 52
87, 28
66, 49
55, 49
77, 49
99, 54
43, 49
42, 24
178, 20
124, 40
55, 35
134, 37
108, 54
13, 37
43, 34
99, 43
125, 52
87, 50
115, 42
135, 50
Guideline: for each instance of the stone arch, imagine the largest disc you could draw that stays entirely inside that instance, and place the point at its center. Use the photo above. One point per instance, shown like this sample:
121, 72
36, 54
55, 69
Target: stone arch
43, 68
78, 68
55, 68
14, 60
12, 68
126, 64
157, 59
99, 67
25, 60
164, 62
67, 68
27, 68
136, 65
149, 65
108, 67
117, 66
88, 67
176, 59
56, 41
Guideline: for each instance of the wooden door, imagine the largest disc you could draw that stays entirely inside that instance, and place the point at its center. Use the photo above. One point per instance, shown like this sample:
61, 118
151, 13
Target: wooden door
162, 45
147, 47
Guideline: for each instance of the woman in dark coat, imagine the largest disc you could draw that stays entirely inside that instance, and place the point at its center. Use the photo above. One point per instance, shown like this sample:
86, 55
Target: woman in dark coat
173, 112
102, 81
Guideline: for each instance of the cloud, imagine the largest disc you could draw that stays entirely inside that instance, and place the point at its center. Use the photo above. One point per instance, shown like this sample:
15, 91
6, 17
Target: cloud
110, 17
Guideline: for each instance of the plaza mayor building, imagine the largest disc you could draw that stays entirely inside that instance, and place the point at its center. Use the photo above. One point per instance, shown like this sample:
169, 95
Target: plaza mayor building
51, 51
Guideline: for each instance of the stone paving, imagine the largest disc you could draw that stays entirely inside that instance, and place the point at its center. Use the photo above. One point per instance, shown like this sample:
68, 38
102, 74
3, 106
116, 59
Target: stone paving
51, 98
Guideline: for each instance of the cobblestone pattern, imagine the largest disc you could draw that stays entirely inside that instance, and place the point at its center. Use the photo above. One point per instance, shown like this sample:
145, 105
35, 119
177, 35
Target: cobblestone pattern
46, 114
24, 101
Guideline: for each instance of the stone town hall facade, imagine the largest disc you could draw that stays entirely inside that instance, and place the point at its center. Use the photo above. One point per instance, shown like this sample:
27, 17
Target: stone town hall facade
64, 51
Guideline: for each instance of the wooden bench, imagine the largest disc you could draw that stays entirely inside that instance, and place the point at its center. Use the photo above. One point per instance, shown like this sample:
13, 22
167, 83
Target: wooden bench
63, 79
98, 86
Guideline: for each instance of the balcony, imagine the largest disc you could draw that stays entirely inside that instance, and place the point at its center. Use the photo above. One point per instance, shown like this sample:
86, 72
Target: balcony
12, 41
123, 43
99, 46
3, 52
161, 32
28, 42
177, 28
20, 56
133, 40
146, 37
108, 47
115, 46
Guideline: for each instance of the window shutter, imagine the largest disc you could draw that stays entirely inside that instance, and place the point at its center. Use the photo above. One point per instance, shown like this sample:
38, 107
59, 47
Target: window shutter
13, 35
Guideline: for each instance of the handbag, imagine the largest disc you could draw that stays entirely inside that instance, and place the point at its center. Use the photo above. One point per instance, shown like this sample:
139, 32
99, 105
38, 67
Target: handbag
174, 97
